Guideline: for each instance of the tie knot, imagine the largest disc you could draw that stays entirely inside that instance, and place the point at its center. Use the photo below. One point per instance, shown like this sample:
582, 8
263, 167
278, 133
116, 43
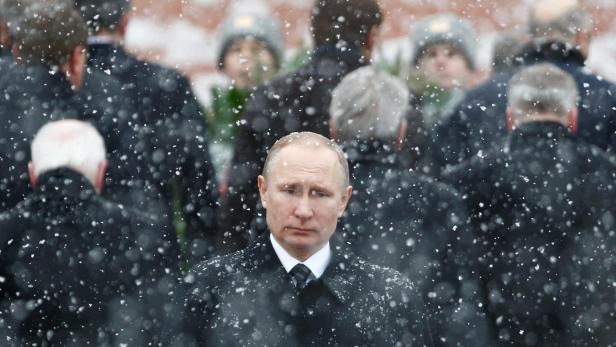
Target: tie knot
301, 275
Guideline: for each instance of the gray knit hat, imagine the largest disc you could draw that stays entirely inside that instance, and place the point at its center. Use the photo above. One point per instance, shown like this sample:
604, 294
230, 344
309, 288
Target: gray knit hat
243, 24
444, 28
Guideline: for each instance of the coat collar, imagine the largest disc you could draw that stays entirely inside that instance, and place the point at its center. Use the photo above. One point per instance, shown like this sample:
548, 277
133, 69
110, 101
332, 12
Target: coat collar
551, 131
347, 55
339, 276
560, 53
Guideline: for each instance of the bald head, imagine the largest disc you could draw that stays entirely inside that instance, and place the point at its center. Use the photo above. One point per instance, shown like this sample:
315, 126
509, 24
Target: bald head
72, 144
562, 19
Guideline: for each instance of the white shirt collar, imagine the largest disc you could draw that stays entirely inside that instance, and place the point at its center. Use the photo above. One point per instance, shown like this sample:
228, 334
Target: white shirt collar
317, 263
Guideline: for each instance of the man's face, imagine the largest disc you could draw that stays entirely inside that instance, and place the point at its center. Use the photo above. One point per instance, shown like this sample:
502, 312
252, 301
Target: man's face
304, 196
444, 66
249, 62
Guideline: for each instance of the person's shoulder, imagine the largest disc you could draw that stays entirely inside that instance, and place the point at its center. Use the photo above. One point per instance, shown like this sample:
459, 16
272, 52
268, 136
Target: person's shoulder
216, 270
382, 278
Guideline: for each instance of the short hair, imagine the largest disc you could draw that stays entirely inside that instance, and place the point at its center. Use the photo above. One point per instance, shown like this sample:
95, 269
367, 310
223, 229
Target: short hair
566, 21
542, 88
48, 32
333, 21
307, 138
68, 143
369, 104
103, 15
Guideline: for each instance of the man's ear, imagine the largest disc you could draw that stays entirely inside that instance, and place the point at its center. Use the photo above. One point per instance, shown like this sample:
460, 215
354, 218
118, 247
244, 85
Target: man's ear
348, 191
76, 66
572, 120
402, 130
333, 132
262, 184
372, 39
582, 40
100, 176
32, 175
123, 25
510, 119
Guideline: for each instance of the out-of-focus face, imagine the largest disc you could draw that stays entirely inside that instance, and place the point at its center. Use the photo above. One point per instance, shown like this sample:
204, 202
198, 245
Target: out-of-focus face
304, 195
249, 62
445, 66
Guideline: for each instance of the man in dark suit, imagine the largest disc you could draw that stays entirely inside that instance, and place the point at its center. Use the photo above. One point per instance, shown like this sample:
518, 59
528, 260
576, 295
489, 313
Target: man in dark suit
75, 266
542, 209
172, 138
398, 218
292, 286
561, 34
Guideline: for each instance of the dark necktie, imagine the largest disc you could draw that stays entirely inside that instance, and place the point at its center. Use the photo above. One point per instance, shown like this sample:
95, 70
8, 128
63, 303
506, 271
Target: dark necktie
301, 275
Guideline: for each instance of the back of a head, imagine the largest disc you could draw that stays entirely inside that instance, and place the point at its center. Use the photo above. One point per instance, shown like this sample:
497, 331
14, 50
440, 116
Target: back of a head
68, 143
369, 104
48, 32
103, 15
560, 19
333, 21
542, 89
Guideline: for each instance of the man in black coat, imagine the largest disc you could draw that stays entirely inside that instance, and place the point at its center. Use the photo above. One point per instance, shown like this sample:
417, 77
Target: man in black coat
49, 82
542, 208
295, 102
292, 286
79, 270
561, 35
172, 140
397, 218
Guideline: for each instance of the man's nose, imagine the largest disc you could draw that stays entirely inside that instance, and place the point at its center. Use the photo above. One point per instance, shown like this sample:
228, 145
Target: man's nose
303, 210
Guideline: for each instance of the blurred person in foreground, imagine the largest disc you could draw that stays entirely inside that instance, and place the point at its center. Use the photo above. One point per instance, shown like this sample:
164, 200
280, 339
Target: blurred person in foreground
542, 207
344, 37
397, 218
171, 139
296, 285
561, 33
79, 270
251, 52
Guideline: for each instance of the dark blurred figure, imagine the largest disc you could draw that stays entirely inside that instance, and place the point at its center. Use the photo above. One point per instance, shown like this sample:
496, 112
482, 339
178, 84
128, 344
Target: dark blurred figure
48, 82
79, 270
543, 212
172, 140
506, 46
344, 36
295, 285
561, 32
397, 218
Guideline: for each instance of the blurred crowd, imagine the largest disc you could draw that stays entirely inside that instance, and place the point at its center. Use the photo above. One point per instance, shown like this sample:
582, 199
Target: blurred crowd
495, 199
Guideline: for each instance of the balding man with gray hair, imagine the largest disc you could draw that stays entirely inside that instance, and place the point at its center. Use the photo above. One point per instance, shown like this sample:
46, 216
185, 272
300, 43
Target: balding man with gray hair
409, 226
561, 33
88, 263
539, 205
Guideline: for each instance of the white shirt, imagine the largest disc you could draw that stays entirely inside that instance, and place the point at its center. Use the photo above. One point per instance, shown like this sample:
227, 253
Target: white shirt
317, 263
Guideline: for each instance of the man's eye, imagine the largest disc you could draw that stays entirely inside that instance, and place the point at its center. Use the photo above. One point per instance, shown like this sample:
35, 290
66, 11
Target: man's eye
319, 193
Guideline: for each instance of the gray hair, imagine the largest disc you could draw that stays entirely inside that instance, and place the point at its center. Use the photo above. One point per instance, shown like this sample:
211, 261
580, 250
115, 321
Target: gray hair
549, 18
307, 138
68, 143
369, 105
542, 88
